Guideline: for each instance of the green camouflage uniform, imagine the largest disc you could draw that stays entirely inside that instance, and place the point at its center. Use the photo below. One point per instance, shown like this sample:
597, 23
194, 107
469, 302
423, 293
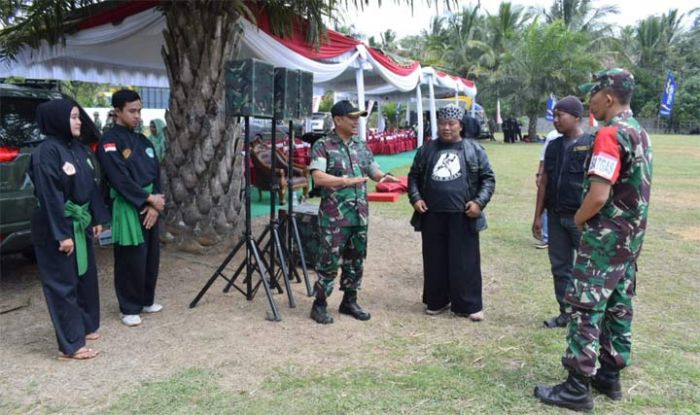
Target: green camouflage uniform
343, 214
603, 280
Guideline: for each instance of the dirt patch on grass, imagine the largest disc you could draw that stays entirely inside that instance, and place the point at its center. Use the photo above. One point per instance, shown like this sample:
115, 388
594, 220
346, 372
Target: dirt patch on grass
687, 233
224, 332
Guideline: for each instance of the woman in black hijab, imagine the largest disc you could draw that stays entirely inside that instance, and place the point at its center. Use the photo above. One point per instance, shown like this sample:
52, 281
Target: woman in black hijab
70, 212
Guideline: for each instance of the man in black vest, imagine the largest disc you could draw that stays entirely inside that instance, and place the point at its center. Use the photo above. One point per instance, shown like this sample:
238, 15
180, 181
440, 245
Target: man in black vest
560, 192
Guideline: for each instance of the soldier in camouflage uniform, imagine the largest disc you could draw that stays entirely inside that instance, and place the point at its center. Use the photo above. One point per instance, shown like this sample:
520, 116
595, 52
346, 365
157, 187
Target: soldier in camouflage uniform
340, 166
613, 217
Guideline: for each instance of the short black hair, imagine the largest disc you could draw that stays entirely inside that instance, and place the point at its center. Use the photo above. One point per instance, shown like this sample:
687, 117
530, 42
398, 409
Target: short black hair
624, 96
124, 96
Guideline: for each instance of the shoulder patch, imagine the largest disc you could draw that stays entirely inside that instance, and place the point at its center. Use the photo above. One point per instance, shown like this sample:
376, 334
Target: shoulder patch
109, 147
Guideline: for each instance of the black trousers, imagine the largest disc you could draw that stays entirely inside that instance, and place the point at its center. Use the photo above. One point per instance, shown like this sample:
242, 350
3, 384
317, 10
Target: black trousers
451, 262
73, 301
136, 272
564, 238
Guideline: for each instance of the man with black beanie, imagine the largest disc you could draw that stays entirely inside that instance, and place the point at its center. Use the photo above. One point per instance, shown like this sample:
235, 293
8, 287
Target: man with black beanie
560, 192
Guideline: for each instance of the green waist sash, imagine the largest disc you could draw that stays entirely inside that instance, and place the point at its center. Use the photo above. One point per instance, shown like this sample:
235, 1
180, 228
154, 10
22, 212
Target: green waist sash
126, 223
80, 215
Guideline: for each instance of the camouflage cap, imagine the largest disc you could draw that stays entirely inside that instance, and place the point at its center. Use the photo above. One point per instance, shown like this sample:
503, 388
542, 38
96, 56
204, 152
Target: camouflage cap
616, 78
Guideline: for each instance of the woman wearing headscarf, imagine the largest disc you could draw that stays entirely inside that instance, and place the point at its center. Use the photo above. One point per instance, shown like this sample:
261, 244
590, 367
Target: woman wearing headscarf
449, 184
70, 212
157, 137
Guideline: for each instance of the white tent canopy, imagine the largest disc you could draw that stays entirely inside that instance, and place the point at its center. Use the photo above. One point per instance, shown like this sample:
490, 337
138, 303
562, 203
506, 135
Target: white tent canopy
128, 52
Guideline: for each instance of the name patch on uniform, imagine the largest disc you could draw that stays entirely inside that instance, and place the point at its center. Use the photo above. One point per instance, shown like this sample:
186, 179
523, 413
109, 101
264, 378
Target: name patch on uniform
110, 147
68, 168
126, 153
150, 153
582, 148
603, 165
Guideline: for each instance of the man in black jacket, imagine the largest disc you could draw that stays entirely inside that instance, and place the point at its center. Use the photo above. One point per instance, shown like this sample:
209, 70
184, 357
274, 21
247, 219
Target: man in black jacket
560, 192
449, 185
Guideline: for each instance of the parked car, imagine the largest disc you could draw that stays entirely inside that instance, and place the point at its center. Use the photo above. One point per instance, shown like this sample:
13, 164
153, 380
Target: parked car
19, 135
321, 122
262, 128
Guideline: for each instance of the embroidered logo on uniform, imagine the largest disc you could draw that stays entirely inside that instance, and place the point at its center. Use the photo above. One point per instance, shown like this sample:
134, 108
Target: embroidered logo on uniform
150, 153
603, 165
68, 169
582, 148
89, 162
447, 167
110, 147
126, 153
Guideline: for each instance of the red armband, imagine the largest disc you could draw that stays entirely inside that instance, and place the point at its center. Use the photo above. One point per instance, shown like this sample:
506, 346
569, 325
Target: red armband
605, 161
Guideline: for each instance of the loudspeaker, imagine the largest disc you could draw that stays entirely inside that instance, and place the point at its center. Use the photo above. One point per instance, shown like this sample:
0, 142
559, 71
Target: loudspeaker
249, 88
306, 93
286, 93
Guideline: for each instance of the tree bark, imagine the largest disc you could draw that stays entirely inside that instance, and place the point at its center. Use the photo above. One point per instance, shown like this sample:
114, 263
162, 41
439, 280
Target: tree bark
532, 126
203, 166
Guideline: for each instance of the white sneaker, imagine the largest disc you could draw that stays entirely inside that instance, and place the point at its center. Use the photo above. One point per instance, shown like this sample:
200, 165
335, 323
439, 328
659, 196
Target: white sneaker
438, 311
153, 308
131, 320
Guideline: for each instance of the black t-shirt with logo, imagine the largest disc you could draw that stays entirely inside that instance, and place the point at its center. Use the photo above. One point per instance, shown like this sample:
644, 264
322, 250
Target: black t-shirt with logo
446, 187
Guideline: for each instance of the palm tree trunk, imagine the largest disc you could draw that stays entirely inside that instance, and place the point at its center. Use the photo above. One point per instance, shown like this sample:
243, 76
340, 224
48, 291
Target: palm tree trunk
532, 126
202, 168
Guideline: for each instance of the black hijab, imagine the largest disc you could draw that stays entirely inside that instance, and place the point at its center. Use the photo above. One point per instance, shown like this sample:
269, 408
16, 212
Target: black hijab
53, 118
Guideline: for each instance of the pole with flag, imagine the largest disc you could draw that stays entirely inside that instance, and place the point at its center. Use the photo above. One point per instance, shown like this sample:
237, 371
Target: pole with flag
668, 96
499, 120
550, 107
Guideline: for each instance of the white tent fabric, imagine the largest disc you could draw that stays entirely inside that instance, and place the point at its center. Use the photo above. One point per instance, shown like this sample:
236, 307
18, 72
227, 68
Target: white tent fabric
128, 53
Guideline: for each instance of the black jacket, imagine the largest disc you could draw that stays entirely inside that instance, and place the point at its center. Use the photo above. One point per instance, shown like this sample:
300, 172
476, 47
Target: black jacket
564, 192
482, 180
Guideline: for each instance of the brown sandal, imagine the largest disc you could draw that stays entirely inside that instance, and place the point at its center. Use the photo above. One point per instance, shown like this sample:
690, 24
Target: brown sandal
92, 336
83, 353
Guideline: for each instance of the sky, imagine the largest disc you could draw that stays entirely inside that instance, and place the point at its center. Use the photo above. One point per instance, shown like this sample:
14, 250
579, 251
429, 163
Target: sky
375, 20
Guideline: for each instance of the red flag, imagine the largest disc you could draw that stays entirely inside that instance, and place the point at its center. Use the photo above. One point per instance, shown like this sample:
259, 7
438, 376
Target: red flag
591, 120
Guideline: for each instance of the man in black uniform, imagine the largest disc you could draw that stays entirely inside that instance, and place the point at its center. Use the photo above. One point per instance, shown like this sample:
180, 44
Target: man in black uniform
69, 210
560, 191
131, 166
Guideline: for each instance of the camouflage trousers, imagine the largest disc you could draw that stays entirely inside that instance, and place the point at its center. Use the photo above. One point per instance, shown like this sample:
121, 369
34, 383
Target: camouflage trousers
600, 296
336, 243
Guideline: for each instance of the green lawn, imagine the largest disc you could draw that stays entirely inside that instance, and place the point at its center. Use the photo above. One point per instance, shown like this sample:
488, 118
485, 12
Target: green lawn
494, 372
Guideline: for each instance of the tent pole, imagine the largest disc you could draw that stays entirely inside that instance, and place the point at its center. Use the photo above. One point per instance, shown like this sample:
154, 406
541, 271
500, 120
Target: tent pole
419, 114
433, 116
360, 81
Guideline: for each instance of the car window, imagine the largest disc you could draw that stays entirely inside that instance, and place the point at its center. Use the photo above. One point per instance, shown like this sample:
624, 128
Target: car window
18, 126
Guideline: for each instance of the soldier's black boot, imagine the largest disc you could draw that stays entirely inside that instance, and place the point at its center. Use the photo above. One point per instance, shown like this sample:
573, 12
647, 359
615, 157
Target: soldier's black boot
607, 382
319, 309
349, 306
574, 393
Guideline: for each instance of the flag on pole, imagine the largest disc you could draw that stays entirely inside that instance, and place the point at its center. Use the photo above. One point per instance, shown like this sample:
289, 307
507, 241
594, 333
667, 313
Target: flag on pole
499, 120
591, 120
550, 108
668, 96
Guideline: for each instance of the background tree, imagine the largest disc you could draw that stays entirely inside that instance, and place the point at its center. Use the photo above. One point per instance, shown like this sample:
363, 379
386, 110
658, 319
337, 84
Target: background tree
203, 166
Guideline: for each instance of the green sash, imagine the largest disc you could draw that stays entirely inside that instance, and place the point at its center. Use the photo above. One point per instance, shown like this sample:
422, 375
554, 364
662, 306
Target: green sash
126, 223
80, 214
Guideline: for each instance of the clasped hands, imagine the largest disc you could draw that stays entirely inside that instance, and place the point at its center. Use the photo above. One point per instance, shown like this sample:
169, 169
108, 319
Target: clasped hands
471, 208
155, 203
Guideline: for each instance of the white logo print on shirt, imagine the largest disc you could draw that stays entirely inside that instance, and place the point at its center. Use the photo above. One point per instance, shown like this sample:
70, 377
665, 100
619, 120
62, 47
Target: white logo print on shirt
447, 167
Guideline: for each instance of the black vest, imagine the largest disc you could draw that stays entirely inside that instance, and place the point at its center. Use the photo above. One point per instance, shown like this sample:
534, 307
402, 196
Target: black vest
565, 174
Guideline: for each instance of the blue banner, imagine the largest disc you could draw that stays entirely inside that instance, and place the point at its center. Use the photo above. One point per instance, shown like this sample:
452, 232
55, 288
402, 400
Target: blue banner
668, 97
550, 108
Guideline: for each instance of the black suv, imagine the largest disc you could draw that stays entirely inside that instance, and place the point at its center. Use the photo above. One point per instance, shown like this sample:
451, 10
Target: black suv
19, 135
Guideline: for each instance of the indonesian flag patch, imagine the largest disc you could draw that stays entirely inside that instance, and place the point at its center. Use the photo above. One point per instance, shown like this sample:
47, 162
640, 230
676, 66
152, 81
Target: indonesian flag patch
109, 147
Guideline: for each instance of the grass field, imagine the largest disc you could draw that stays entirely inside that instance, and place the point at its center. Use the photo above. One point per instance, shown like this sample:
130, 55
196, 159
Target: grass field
495, 371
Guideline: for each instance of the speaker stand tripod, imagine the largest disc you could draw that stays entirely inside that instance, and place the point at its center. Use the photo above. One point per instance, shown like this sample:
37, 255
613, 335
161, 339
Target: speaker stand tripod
253, 261
291, 222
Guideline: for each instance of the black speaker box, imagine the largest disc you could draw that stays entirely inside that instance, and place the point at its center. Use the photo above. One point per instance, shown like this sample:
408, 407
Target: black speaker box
249, 88
306, 93
286, 93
